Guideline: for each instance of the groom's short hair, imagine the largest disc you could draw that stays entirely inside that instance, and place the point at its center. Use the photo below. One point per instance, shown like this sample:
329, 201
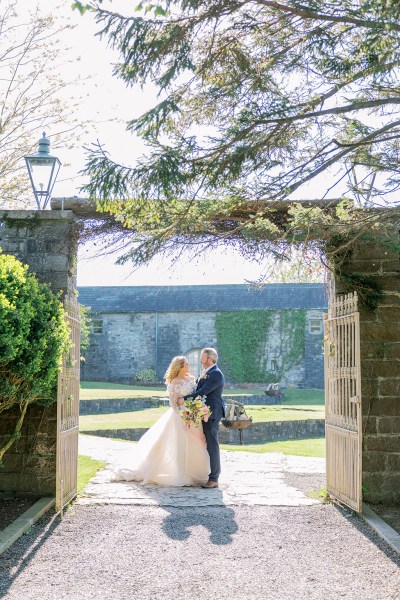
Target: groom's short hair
212, 353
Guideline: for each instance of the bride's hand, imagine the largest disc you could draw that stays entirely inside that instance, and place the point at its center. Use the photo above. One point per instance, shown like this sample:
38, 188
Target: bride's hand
180, 401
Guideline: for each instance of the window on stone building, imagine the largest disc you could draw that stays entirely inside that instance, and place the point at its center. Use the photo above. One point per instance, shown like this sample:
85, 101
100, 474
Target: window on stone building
193, 357
274, 364
315, 325
97, 325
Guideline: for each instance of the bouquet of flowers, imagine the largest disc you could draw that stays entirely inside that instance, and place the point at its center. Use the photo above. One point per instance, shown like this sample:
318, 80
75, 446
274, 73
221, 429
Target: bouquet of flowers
194, 410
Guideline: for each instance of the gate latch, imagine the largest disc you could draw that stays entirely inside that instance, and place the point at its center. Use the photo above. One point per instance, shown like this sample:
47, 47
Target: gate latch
355, 399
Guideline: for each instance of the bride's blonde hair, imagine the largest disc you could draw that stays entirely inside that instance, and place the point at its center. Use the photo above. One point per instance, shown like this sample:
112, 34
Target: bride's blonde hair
175, 366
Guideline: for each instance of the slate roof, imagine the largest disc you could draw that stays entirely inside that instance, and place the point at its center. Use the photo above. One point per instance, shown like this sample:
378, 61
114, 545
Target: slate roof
204, 298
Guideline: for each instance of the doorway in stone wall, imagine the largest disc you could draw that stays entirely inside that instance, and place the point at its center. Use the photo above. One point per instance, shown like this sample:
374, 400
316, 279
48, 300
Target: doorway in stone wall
380, 268
342, 397
193, 357
280, 301
379, 353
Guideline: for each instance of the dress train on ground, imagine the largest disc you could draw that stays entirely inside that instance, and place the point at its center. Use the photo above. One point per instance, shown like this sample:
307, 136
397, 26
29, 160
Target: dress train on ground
169, 453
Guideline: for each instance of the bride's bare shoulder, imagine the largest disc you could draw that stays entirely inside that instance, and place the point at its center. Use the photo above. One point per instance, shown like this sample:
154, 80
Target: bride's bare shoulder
181, 380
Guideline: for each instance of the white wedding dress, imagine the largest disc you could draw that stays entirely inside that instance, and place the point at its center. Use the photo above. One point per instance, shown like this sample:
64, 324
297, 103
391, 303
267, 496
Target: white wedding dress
170, 453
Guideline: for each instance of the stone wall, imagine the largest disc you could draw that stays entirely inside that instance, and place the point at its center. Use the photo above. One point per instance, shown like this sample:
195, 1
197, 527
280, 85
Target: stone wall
255, 434
380, 371
45, 241
313, 354
29, 466
117, 405
133, 341
275, 431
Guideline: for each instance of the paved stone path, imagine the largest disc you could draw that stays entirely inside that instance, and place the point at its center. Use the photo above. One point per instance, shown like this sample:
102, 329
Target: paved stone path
247, 479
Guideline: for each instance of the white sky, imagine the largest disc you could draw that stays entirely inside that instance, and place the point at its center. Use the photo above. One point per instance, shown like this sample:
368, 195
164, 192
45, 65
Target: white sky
217, 267
106, 100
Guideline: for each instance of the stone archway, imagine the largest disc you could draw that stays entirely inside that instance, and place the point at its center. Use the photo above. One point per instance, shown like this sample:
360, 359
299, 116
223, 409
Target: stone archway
49, 248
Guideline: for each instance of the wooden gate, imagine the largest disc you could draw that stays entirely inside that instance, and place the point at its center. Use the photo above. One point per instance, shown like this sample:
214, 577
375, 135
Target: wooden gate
68, 412
343, 401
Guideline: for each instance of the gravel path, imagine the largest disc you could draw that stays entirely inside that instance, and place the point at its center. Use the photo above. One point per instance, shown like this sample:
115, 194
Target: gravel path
208, 553
259, 537
12, 508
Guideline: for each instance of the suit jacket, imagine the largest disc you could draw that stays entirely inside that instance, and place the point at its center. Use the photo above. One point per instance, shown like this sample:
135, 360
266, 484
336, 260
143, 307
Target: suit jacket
211, 386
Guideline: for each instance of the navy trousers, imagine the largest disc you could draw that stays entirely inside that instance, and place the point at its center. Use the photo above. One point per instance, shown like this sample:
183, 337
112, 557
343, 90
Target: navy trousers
211, 429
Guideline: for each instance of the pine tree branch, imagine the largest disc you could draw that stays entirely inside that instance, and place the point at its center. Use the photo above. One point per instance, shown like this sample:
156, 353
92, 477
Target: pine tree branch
309, 14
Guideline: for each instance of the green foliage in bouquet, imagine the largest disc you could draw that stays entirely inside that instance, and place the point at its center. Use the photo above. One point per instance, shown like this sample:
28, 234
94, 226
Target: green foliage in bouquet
194, 411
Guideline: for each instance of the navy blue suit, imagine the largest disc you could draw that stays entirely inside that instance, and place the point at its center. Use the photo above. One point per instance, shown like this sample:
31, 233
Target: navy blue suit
211, 386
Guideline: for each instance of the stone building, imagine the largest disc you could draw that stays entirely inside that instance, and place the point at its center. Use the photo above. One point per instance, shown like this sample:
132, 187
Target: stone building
268, 334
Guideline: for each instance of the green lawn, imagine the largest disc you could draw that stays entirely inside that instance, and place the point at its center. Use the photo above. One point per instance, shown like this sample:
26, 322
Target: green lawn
314, 447
303, 397
97, 390
148, 416
127, 420
284, 412
87, 468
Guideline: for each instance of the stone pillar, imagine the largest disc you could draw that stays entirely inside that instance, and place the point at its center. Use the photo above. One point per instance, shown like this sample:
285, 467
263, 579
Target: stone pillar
46, 241
380, 372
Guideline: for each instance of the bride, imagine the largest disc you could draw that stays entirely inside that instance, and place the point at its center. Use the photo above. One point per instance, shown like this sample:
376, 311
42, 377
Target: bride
170, 453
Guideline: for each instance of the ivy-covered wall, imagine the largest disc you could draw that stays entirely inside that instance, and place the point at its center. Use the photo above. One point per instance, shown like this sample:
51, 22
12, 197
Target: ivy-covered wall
260, 346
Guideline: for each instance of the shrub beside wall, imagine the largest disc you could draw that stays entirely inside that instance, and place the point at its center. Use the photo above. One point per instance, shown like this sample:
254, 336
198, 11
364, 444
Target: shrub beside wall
33, 337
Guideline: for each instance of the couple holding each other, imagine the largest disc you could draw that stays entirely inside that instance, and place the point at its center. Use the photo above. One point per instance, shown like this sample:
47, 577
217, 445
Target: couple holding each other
171, 453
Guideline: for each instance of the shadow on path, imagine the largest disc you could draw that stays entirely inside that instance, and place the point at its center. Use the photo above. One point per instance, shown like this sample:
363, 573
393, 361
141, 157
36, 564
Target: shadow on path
19, 556
358, 523
188, 507
221, 525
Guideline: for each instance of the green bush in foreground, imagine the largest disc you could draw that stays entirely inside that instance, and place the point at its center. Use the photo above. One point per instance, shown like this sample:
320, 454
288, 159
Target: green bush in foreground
33, 337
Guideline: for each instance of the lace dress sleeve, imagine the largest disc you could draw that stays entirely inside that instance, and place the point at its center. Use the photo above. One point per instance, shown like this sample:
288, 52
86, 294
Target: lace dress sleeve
174, 391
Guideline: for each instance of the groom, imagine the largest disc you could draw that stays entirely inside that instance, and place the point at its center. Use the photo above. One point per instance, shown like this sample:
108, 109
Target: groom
211, 384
